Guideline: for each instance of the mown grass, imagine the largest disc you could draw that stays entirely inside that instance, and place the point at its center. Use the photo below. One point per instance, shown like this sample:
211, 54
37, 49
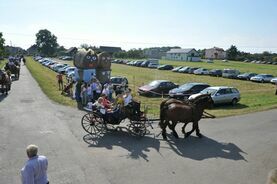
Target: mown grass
254, 96
46, 79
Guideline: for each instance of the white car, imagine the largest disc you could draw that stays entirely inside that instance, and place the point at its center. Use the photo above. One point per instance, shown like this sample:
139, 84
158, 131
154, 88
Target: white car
69, 70
153, 65
262, 78
221, 94
274, 80
201, 71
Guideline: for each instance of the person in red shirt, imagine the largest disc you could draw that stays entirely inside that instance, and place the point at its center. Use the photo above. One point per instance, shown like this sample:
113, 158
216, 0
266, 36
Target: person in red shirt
106, 103
60, 81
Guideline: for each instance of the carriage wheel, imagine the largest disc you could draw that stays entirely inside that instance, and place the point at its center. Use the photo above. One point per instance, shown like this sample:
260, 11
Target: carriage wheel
93, 124
137, 128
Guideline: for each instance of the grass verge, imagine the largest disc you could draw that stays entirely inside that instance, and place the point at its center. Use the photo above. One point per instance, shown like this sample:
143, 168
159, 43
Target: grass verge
46, 79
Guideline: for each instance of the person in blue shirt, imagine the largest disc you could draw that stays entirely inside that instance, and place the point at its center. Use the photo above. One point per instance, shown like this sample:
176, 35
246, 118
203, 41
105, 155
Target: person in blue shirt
35, 169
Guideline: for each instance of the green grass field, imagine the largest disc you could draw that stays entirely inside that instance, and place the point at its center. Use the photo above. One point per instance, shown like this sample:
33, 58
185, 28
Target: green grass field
46, 79
254, 96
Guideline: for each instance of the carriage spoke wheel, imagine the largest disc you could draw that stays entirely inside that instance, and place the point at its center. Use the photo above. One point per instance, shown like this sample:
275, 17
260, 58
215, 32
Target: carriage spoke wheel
93, 124
137, 128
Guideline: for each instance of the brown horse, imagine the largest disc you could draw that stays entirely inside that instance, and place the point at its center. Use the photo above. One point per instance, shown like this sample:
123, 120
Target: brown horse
185, 112
5, 82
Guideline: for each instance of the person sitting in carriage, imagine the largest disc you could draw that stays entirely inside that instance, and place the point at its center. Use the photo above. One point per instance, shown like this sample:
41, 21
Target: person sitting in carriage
132, 104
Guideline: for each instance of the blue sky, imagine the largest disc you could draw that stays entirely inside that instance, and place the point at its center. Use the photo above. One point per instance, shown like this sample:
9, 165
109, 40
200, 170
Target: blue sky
251, 25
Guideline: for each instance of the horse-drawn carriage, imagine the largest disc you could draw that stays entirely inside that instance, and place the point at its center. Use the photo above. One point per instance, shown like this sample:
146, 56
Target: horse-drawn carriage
13, 66
97, 121
171, 110
5, 82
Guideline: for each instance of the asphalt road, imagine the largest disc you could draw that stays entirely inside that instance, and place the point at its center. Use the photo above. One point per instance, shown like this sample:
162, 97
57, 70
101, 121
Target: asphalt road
240, 149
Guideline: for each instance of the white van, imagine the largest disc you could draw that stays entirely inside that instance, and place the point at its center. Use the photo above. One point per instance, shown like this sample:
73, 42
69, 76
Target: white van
230, 73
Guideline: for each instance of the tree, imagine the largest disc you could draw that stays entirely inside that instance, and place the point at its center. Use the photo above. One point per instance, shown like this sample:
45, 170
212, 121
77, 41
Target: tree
46, 42
232, 53
84, 46
2, 42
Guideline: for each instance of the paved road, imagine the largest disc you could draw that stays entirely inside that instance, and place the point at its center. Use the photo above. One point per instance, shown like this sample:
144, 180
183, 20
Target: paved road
240, 149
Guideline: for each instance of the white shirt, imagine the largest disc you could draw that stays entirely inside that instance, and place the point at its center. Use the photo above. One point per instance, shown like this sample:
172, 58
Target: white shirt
35, 171
128, 99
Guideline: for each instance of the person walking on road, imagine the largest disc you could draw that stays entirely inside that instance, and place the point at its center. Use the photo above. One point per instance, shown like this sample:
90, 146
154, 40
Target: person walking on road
35, 169
60, 81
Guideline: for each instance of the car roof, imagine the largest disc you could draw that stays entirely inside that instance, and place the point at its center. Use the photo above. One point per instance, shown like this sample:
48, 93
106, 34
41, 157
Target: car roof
196, 83
219, 87
161, 81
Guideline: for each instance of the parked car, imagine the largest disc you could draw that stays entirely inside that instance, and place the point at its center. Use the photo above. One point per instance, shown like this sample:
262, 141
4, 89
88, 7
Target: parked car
62, 70
201, 71
192, 69
274, 80
221, 94
69, 69
119, 81
246, 76
153, 65
262, 78
177, 68
230, 73
185, 90
157, 88
165, 67
184, 70
145, 63
215, 72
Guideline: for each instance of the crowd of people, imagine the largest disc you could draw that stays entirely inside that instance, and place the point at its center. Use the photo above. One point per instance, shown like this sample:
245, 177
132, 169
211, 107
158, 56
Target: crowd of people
93, 94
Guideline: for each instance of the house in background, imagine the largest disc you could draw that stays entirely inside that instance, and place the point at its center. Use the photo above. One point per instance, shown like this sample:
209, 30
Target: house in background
215, 53
157, 52
183, 55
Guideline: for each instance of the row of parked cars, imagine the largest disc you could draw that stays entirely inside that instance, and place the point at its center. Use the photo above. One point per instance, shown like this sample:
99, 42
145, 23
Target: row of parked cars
226, 73
58, 67
219, 94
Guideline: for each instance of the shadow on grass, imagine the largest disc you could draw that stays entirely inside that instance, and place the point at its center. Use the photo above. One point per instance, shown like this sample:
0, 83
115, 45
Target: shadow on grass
230, 107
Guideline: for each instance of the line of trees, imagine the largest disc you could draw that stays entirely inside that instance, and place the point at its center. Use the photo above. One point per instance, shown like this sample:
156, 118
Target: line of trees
2, 42
234, 54
133, 53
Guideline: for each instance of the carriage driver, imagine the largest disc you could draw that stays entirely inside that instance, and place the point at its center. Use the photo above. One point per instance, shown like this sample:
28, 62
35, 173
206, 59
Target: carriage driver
127, 97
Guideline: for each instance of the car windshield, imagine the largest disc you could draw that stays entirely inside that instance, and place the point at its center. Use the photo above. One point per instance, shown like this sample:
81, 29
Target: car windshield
186, 86
208, 91
154, 83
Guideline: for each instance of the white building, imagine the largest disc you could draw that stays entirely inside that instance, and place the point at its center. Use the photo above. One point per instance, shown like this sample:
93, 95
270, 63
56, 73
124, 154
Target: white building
183, 55
215, 53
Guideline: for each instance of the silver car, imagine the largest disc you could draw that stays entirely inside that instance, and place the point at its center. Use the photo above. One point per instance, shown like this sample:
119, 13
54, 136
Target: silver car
262, 78
221, 94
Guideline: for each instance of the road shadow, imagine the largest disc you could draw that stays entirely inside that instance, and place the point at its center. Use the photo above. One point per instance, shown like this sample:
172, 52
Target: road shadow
204, 148
136, 146
2, 96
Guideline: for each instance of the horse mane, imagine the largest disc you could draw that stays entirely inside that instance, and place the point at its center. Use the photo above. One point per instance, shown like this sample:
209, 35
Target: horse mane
200, 98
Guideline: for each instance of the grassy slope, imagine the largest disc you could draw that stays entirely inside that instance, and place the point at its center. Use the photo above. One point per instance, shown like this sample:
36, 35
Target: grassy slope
255, 96
46, 79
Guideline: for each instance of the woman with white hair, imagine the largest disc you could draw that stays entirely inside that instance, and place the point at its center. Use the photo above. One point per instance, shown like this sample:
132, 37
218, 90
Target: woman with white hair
35, 169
